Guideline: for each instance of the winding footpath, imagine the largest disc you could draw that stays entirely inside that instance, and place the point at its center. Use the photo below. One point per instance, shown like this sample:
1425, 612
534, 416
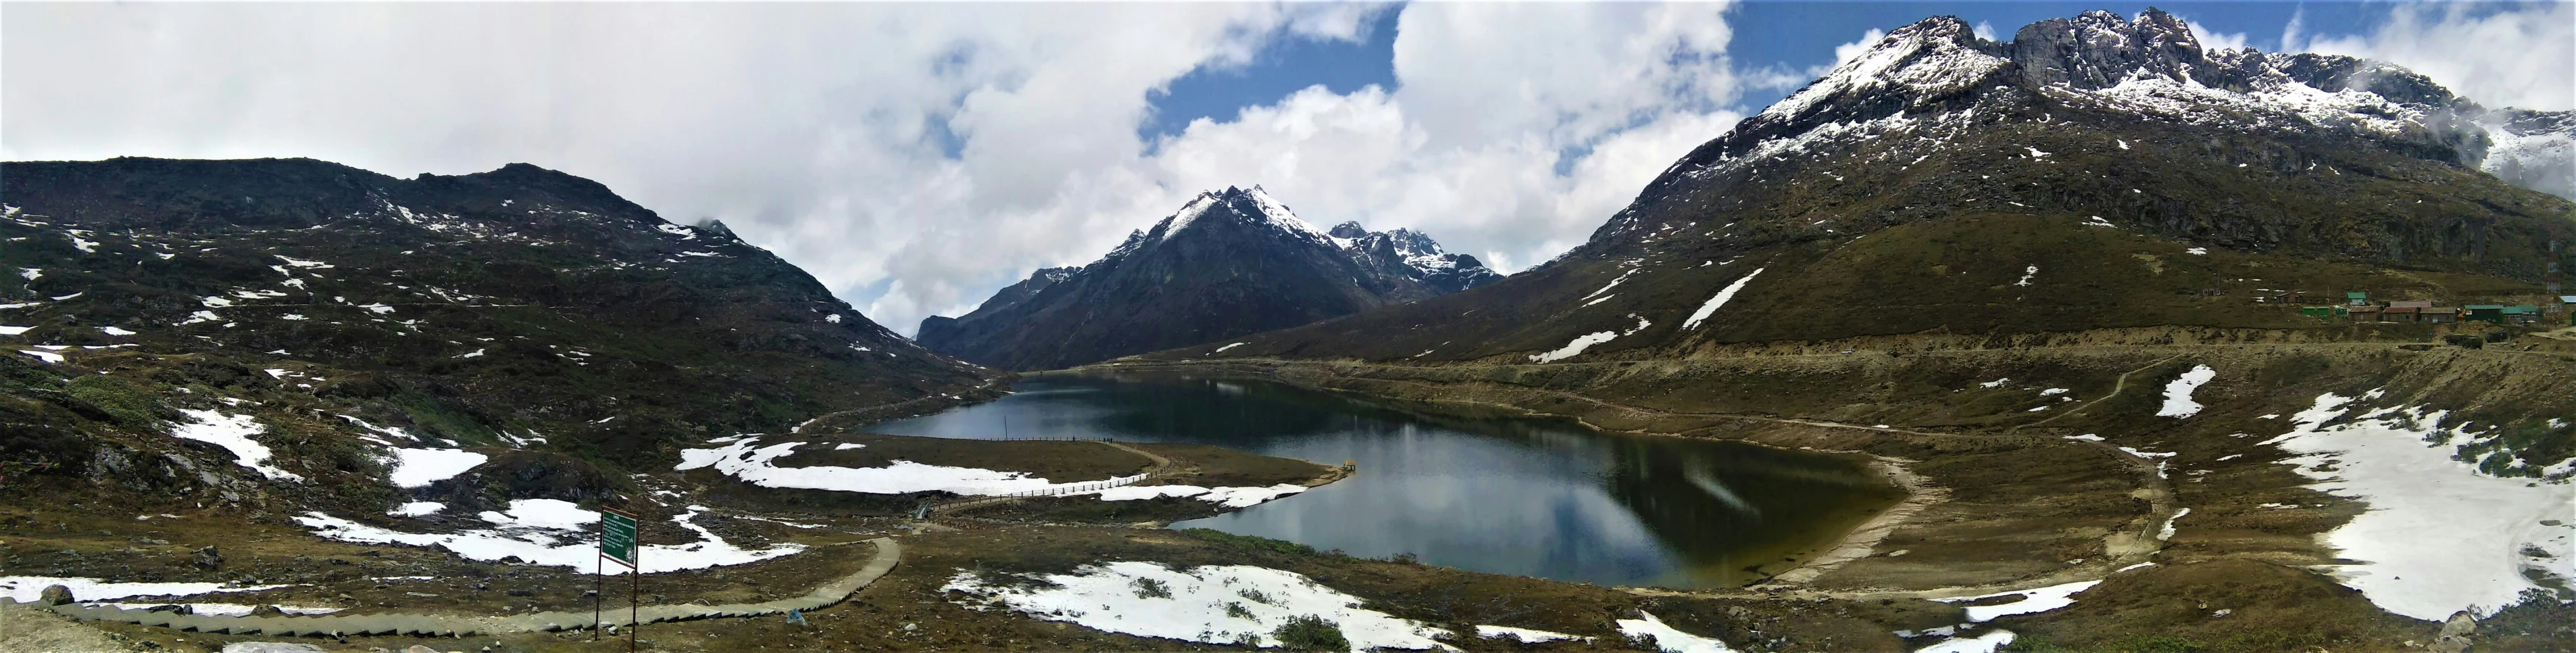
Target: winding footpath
887, 555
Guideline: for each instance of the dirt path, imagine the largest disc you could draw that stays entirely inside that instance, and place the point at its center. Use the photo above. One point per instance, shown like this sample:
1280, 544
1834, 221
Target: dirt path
887, 555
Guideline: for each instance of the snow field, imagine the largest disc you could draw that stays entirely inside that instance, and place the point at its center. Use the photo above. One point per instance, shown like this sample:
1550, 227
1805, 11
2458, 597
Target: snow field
1986, 643
2438, 536
1523, 635
552, 533
1668, 638
29, 588
1214, 604
2178, 401
1714, 301
746, 459
232, 433
421, 467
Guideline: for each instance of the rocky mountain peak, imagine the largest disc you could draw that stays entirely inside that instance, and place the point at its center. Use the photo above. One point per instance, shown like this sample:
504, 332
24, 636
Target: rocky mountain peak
2100, 49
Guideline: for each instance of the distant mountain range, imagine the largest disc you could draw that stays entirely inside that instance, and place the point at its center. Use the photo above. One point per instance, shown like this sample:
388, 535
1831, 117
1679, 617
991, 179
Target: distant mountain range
1229, 263
518, 310
2094, 172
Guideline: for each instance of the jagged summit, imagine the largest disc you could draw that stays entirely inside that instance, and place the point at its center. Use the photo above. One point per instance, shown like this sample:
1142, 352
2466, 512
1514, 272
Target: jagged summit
1228, 263
2097, 171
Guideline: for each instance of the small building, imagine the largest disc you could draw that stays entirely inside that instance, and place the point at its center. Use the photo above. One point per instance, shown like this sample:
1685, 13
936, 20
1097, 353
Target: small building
2320, 311
2356, 299
2438, 314
2524, 314
2482, 313
2395, 313
2411, 303
2365, 313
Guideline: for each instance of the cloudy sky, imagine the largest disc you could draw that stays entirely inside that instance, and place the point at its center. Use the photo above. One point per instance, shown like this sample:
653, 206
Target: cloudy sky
916, 157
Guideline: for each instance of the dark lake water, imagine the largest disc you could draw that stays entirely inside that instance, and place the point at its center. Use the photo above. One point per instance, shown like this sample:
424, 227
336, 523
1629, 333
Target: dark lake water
1510, 495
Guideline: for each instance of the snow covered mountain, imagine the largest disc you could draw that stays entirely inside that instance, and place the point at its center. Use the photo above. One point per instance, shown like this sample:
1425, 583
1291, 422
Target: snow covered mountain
1229, 263
526, 324
2094, 172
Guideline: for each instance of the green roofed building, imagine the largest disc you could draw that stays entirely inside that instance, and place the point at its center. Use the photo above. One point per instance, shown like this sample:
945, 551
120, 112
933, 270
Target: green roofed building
2356, 299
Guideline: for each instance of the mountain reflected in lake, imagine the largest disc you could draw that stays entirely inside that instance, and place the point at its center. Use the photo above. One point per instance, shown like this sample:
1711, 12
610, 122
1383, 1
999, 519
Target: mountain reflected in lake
1501, 494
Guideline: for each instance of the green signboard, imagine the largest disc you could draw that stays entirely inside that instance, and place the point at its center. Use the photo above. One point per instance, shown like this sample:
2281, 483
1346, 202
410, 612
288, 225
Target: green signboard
617, 536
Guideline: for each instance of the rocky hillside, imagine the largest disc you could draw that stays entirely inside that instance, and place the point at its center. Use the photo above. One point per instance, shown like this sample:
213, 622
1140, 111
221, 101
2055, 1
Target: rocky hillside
2095, 172
341, 318
1229, 263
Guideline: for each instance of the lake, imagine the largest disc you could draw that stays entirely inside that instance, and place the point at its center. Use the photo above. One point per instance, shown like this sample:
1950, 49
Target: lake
1501, 494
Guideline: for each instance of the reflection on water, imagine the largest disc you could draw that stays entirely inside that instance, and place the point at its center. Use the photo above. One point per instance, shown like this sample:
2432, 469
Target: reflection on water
1498, 494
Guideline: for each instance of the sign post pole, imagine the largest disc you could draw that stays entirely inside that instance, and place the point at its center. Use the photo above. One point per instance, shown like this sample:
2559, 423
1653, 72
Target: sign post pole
617, 543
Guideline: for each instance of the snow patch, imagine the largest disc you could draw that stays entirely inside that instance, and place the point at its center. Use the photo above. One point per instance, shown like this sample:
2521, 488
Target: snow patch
417, 508
2178, 401
421, 467
1668, 638
2033, 600
1523, 635
552, 533
1212, 604
1723, 295
2438, 536
747, 460
232, 432
26, 589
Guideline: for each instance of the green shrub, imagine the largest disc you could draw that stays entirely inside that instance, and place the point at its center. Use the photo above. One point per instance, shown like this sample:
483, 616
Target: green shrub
124, 402
1249, 542
1147, 588
1310, 633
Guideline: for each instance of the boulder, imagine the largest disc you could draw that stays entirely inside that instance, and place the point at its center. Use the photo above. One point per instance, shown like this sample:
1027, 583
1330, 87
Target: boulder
206, 558
55, 595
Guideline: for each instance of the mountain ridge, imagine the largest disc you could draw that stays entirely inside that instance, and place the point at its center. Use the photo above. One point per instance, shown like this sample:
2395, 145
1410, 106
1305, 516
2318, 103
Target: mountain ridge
2094, 151
1229, 262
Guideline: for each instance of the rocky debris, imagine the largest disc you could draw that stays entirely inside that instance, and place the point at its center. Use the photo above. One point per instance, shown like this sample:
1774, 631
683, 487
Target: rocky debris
2454, 637
207, 558
55, 595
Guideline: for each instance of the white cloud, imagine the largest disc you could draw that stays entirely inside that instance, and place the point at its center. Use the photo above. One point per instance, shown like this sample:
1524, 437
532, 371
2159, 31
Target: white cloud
913, 157
2517, 55
2214, 40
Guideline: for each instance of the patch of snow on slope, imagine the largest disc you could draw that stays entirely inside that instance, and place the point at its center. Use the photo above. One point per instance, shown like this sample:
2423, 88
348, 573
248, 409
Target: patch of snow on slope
1575, 347
1231, 497
2438, 536
232, 433
26, 589
1670, 639
1221, 350
2041, 599
421, 467
417, 508
2026, 274
1204, 604
1522, 635
2178, 401
15, 330
551, 533
746, 460
1986, 643
1709, 307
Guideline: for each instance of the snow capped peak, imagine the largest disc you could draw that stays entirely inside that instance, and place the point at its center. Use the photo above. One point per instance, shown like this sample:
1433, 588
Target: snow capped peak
1253, 206
1930, 58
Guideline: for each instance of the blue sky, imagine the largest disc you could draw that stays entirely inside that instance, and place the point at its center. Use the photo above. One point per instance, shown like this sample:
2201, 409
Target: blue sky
1791, 36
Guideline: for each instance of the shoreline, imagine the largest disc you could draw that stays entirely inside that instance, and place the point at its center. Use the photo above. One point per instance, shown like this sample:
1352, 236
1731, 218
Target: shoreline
1862, 541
